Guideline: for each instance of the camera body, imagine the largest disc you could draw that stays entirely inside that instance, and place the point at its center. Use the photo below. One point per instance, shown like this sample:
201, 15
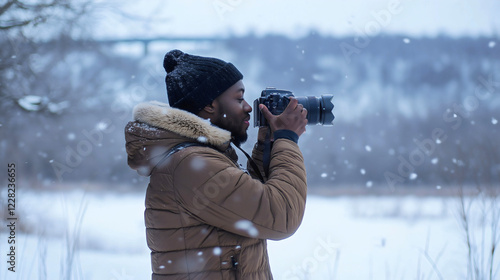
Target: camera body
319, 109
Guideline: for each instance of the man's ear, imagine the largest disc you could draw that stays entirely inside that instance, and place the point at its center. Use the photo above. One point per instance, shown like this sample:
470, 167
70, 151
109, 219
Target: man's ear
209, 109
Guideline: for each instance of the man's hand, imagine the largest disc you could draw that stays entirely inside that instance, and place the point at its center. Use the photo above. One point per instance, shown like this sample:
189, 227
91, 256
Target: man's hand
293, 118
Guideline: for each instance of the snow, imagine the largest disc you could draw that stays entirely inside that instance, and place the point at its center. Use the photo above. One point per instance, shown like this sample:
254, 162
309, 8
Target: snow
32, 102
247, 226
101, 125
57, 108
198, 163
341, 237
202, 139
217, 251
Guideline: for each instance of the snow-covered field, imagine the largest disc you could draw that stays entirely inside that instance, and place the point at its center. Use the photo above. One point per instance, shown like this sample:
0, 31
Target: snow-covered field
347, 237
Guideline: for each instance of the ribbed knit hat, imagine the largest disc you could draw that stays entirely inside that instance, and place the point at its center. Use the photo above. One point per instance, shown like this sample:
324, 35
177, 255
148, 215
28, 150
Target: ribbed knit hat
193, 82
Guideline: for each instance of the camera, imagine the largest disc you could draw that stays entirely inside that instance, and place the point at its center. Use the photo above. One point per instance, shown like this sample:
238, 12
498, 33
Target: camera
319, 109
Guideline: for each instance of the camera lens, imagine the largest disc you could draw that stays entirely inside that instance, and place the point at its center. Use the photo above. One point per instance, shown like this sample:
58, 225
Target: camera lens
319, 109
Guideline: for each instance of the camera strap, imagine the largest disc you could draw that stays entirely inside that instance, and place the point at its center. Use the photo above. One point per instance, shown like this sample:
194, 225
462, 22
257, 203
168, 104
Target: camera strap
252, 163
266, 159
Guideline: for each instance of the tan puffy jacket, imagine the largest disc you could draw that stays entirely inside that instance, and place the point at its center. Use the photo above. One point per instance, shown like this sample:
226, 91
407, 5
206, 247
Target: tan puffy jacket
205, 217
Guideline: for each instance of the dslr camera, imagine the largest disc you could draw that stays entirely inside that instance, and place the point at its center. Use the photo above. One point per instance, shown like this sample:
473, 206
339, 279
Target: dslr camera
319, 109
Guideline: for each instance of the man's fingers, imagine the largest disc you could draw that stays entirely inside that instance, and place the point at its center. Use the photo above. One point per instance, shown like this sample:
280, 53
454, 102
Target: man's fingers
265, 111
292, 105
304, 112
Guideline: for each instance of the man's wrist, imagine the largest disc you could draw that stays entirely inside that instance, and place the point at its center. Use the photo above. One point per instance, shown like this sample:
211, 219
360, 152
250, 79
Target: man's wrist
286, 134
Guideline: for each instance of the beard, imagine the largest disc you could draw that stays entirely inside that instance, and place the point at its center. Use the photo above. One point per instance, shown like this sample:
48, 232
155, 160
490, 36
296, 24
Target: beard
238, 135
235, 126
239, 139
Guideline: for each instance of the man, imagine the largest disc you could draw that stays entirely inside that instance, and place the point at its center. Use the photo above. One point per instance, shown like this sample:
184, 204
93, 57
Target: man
205, 217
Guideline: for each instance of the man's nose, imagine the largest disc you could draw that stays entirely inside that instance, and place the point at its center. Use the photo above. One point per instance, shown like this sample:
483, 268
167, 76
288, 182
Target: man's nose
247, 107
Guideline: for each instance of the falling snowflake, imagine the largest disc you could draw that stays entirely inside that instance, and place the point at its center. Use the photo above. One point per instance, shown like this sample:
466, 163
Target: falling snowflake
406, 40
324, 175
492, 44
198, 163
494, 121
202, 139
368, 148
101, 126
362, 171
413, 176
217, 251
247, 226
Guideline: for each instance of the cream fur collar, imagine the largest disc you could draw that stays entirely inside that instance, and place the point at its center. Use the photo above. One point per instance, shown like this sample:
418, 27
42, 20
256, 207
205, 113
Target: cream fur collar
181, 122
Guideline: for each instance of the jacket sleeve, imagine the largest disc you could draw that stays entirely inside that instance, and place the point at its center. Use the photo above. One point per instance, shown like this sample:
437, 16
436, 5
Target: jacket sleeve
258, 152
212, 189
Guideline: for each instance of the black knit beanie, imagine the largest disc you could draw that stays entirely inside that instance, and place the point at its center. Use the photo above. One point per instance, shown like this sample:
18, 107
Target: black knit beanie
193, 82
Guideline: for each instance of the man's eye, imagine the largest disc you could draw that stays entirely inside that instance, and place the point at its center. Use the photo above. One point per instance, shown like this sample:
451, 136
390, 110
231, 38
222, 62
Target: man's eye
241, 100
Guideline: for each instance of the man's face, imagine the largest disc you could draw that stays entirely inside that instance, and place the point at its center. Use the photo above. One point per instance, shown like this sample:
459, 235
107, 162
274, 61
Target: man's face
232, 112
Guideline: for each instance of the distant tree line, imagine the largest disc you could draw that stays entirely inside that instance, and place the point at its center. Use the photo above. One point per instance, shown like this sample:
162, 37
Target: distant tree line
409, 111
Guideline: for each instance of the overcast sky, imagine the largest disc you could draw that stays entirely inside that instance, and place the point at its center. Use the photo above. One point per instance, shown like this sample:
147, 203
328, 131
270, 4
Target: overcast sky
297, 18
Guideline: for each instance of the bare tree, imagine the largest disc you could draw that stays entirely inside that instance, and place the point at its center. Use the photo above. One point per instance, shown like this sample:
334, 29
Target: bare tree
16, 14
35, 37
